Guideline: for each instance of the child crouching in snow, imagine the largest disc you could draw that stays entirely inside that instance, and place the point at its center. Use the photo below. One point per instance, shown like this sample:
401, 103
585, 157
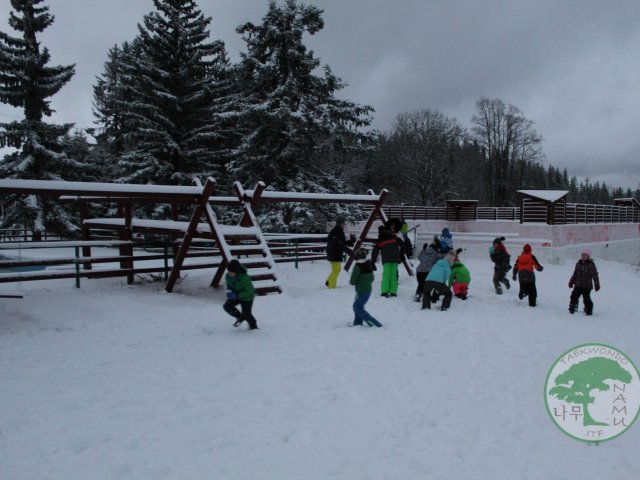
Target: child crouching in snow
428, 257
361, 279
239, 291
459, 278
524, 268
436, 283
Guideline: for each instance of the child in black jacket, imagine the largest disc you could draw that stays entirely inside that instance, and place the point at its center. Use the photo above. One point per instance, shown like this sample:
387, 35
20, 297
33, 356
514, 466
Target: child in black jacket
584, 278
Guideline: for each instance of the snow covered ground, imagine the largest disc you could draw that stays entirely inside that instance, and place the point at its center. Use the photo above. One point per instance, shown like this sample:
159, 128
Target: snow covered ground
117, 382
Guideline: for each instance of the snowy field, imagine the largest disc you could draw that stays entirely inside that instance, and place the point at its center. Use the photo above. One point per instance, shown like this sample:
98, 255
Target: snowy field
117, 382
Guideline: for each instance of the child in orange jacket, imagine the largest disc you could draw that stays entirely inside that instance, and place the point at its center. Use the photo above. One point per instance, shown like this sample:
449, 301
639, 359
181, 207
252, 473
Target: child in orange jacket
525, 266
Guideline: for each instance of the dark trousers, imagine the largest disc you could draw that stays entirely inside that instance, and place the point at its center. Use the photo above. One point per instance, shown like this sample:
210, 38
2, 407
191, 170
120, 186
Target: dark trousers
246, 315
586, 297
500, 276
421, 277
439, 289
528, 289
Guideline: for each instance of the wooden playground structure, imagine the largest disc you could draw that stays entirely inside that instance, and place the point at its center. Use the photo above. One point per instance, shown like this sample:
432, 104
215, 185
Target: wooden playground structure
244, 241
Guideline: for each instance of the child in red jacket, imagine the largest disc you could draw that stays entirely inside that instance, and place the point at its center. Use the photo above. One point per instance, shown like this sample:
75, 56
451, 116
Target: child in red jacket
525, 266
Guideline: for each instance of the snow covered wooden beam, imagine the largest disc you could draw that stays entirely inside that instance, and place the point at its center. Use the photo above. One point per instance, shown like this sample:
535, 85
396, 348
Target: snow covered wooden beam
273, 196
90, 189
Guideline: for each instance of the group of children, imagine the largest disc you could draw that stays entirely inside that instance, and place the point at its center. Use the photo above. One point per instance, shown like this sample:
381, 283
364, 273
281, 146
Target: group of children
584, 279
439, 270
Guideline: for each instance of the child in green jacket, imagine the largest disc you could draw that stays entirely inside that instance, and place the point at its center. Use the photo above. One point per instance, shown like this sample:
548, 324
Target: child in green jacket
460, 279
239, 291
362, 278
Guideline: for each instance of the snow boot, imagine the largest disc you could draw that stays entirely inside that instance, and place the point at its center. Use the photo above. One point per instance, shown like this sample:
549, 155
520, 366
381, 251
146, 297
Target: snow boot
572, 308
506, 283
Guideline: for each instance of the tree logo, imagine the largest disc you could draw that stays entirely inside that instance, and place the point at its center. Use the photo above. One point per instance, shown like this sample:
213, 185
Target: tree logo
592, 392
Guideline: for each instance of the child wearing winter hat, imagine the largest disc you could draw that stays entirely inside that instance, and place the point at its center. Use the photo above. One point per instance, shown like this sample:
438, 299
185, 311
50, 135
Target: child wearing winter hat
391, 249
501, 259
584, 278
459, 279
524, 269
446, 240
428, 257
361, 279
337, 246
239, 291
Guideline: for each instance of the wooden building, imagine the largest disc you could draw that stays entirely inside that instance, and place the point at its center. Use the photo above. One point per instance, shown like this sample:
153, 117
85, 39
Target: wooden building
543, 206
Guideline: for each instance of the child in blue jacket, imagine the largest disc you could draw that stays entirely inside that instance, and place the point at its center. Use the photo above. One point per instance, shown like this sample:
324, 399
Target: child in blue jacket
446, 241
436, 283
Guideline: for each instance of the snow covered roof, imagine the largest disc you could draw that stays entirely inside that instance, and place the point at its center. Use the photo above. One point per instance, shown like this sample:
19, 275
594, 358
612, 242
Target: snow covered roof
628, 202
546, 195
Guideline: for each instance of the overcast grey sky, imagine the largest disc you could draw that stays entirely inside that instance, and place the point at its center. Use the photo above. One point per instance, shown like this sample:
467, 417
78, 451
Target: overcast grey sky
571, 66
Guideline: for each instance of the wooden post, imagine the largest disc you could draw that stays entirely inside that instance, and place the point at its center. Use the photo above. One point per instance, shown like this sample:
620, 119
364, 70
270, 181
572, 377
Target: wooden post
376, 211
129, 236
174, 237
86, 234
121, 236
245, 221
207, 190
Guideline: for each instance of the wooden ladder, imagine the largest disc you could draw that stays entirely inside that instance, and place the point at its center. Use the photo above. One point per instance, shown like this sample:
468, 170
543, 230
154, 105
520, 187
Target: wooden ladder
244, 242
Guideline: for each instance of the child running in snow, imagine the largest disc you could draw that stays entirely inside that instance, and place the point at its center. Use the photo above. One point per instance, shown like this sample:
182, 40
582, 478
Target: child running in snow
361, 279
584, 278
501, 258
459, 279
239, 291
428, 257
524, 268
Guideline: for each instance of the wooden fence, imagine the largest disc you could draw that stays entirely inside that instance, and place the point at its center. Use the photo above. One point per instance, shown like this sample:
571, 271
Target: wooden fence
148, 258
587, 213
572, 213
411, 212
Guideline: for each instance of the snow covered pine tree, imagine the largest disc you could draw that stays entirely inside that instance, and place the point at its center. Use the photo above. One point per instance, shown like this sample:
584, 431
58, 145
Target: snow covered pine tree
169, 98
26, 82
288, 116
